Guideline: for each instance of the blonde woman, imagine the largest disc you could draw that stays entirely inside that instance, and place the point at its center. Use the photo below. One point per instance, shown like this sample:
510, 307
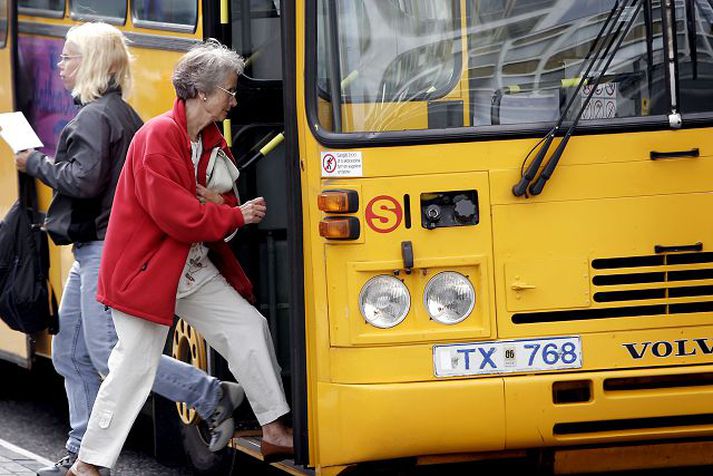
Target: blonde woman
95, 68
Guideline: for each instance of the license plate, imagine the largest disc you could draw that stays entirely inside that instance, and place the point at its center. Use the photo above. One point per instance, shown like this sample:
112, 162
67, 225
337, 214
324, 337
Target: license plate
523, 355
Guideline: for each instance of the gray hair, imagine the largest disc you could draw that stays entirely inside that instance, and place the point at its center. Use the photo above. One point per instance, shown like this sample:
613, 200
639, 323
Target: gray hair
204, 67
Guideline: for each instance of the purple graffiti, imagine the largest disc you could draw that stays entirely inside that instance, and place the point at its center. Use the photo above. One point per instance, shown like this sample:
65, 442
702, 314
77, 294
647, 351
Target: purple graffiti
47, 104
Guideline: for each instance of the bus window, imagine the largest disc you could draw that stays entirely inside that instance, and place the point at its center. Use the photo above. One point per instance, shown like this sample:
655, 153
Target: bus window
49, 8
695, 52
519, 63
180, 15
256, 36
388, 52
3, 23
113, 12
524, 64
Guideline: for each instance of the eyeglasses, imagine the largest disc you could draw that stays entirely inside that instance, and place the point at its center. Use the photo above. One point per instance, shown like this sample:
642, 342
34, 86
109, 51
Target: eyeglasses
63, 58
232, 93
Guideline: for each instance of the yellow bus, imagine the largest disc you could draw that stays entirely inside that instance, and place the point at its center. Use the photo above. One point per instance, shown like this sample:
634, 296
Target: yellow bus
489, 219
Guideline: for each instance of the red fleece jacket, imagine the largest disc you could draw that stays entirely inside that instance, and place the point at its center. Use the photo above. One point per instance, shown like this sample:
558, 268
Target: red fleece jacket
156, 217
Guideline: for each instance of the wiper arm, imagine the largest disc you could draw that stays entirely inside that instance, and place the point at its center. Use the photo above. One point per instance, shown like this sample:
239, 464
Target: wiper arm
520, 188
692, 36
548, 170
335, 79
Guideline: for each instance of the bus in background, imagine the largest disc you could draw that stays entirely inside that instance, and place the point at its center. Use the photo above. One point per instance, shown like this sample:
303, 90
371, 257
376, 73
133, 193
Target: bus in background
159, 36
489, 220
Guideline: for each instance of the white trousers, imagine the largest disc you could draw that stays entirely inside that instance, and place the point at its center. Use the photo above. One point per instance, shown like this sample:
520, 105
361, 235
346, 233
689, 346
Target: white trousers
233, 327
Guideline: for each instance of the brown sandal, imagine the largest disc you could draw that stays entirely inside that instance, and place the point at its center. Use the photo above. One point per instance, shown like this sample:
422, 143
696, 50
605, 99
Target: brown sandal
272, 453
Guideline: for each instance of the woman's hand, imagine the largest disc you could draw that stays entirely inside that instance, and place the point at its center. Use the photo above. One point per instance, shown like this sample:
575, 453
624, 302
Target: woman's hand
254, 210
21, 159
207, 195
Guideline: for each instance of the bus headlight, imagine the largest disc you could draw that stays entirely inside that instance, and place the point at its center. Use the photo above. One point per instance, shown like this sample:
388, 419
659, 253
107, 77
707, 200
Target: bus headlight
384, 301
449, 297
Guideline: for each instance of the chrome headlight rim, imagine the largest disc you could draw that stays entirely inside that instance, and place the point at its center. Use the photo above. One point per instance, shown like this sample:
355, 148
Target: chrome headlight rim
377, 323
432, 282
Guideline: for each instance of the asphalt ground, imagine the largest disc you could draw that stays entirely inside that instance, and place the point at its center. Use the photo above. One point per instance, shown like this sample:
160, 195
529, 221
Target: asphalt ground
34, 419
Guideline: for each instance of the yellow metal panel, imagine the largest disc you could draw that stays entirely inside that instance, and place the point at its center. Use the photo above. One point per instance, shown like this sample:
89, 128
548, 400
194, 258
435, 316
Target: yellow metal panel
531, 414
464, 249
372, 422
595, 229
14, 346
417, 326
603, 350
606, 350
538, 284
153, 93
581, 182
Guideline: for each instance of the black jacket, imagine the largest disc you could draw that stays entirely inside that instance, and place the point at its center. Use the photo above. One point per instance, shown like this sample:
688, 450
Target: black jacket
90, 154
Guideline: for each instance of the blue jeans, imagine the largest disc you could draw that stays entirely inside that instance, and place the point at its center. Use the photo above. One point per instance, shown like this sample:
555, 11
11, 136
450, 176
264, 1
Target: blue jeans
81, 349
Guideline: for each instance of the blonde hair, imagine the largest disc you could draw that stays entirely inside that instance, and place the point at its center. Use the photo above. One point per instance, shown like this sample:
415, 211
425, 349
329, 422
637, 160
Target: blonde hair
106, 61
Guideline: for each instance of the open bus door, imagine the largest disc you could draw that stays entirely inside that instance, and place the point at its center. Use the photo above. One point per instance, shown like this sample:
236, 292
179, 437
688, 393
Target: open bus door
14, 346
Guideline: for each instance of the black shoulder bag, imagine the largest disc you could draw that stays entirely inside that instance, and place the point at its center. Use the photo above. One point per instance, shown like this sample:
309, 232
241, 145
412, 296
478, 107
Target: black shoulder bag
25, 303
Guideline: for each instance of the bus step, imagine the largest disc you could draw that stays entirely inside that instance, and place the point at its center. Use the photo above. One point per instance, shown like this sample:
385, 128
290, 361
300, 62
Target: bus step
248, 442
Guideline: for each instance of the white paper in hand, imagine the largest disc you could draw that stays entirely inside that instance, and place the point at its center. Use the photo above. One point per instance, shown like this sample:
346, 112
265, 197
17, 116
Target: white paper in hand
17, 132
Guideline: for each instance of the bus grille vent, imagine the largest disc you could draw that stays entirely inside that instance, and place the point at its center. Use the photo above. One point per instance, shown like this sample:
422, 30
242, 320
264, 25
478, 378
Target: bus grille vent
666, 284
634, 424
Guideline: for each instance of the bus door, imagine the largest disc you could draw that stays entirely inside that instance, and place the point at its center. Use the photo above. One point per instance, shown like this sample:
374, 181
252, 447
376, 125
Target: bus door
14, 346
257, 131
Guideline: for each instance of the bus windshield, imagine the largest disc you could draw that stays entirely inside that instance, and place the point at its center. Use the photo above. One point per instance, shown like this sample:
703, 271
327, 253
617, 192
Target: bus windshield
393, 65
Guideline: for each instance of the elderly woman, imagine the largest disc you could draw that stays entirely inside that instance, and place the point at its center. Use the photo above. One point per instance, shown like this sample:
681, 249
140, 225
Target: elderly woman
95, 67
165, 254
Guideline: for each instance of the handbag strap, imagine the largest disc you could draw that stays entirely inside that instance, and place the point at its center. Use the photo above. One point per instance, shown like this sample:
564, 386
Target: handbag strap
53, 327
27, 191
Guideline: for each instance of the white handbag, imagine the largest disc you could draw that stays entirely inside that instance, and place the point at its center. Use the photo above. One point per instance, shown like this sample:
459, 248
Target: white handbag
221, 176
221, 173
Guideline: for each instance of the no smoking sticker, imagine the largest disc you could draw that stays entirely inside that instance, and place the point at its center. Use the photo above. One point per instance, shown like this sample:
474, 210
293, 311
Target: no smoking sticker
341, 164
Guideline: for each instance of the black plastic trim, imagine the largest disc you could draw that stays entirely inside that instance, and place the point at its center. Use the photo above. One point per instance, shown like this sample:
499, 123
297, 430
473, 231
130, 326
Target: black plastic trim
298, 333
632, 424
211, 20
627, 384
678, 248
675, 154
469, 134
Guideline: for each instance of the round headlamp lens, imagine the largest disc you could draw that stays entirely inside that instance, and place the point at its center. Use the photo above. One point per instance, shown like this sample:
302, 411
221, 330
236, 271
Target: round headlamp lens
384, 301
449, 297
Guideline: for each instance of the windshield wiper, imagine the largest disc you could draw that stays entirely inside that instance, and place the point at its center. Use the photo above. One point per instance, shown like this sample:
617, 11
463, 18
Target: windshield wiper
597, 46
692, 33
549, 168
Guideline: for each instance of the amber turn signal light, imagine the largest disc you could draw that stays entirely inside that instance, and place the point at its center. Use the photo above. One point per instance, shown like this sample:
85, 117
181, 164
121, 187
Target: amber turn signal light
339, 228
338, 201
